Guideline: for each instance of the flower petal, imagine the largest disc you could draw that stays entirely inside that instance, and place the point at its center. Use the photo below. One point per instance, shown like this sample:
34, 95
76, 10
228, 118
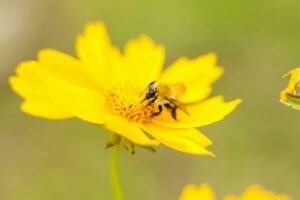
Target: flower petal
45, 84
289, 96
66, 68
185, 140
85, 104
197, 75
28, 85
128, 130
257, 192
143, 61
37, 102
192, 192
196, 92
43, 109
101, 60
200, 114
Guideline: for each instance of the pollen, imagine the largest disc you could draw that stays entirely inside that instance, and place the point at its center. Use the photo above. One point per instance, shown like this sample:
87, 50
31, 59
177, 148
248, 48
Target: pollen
127, 103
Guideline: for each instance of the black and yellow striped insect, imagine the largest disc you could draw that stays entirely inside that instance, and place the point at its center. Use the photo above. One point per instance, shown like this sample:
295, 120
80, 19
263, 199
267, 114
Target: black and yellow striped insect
165, 96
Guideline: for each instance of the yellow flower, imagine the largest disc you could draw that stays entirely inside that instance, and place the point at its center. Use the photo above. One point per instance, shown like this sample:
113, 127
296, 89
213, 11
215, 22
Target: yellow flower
205, 192
289, 95
192, 192
106, 87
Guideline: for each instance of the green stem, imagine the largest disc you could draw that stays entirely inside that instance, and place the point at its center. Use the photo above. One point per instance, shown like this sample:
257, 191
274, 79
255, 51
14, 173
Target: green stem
115, 173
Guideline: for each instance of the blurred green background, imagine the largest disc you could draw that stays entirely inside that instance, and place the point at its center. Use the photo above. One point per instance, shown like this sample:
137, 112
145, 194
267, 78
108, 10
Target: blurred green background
257, 41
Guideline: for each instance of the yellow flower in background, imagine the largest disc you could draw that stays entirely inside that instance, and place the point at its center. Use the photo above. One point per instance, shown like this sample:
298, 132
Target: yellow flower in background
289, 96
129, 93
205, 192
256, 192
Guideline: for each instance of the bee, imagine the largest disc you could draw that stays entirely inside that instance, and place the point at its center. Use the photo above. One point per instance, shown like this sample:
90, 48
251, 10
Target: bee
165, 96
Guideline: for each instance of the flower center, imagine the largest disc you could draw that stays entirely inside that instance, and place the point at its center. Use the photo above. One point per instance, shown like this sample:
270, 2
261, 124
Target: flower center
127, 102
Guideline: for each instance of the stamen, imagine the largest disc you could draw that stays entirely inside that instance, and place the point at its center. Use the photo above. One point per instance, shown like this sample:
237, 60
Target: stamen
128, 103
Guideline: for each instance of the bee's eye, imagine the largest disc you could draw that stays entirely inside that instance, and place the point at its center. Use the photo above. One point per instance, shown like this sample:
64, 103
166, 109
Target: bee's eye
151, 93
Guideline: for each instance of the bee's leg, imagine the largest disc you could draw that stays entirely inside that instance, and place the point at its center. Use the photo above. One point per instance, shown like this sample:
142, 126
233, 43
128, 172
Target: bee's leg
173, 108
158, 112
168, 105
173, 112
145, 98
152, 101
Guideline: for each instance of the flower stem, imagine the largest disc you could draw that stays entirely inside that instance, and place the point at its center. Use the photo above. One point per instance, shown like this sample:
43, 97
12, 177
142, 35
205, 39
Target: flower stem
117, 191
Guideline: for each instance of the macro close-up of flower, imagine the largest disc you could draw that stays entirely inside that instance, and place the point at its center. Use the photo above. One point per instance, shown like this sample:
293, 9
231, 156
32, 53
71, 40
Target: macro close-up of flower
289, 96
131, 100
129, 92
205, 192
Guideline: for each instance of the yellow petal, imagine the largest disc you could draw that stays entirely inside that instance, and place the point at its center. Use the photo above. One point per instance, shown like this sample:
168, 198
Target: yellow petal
196, 74
185, 140
196, 92
143, 61
200, 114
85, 104
29, 86
203, 192
100, 59
255, 192
38, 83
65, 67
43, 109
128, 130
292, 85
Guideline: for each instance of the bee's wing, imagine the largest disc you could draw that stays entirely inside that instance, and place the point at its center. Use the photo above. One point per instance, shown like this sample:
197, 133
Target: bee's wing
179, 105
179, 88
182, 108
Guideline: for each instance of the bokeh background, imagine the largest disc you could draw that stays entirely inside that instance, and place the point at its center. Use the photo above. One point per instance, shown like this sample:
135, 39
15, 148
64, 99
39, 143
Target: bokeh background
257, 41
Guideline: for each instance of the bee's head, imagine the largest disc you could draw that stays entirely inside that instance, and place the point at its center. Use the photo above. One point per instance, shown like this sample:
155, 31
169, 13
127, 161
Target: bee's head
151, 91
